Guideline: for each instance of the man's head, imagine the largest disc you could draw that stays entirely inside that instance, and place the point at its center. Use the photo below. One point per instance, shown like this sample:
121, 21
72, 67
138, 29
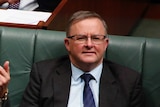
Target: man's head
86, 39
81, 15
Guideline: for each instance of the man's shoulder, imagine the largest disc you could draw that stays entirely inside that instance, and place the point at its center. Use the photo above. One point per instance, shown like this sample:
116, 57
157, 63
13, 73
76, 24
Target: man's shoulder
120, 69
123, 75
53, 62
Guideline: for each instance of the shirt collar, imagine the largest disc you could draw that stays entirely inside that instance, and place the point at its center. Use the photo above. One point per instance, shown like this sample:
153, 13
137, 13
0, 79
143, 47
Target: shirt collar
96, 72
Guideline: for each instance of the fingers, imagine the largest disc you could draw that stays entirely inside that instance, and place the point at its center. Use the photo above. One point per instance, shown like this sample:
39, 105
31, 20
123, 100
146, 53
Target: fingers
4, 74
4, 78
6, 66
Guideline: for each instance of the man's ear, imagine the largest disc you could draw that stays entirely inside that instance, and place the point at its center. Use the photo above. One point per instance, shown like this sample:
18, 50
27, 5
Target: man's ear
107, 42
66, 43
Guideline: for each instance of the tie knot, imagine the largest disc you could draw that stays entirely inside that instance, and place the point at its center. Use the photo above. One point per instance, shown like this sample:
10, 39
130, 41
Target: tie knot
87, 77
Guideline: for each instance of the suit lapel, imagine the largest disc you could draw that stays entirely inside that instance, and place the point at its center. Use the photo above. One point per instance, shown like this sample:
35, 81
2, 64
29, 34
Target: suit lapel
108, 88
61, 84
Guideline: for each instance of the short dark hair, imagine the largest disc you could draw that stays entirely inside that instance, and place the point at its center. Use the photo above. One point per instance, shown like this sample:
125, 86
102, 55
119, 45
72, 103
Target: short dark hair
80, 15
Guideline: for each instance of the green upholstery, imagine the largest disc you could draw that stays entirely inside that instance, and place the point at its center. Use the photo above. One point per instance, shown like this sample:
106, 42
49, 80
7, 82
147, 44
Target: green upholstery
17, 47
22, 47
49, 44
143, 55
127, 51
151, 75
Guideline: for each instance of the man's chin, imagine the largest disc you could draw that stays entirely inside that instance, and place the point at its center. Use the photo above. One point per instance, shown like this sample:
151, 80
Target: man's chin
88, 60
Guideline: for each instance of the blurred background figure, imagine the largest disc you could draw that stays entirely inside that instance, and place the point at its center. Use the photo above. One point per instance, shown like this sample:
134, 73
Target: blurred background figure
38, 5
19, 4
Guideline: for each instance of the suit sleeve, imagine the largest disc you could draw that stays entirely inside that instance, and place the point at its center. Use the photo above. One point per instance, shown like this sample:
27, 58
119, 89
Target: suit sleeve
5, 103
31, 97
137, 95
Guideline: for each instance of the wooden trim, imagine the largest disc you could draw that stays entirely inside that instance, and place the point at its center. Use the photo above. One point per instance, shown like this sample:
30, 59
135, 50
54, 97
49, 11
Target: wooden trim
54, 13
41, 24
20, 25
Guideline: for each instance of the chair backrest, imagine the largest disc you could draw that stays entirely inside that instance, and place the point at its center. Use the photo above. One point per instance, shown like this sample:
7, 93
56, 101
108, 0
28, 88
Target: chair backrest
23, 47
151, 72
143, 55
127, 51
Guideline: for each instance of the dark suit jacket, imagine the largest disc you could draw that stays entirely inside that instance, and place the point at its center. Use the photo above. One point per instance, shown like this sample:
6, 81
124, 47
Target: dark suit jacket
47, 5
49, 85
6, 103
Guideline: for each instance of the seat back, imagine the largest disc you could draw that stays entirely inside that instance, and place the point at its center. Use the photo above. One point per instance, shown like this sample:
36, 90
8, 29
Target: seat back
17, 46
143, 55
22, 47
127, 51
151, 72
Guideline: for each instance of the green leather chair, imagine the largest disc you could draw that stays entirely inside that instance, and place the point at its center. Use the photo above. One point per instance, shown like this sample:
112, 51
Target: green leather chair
143, 55
22, 47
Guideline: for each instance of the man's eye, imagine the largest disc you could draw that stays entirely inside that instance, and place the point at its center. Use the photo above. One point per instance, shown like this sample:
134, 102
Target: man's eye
96, 38
81, 38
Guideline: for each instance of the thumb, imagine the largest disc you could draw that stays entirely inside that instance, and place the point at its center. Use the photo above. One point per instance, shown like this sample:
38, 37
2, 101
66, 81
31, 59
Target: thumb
6, 66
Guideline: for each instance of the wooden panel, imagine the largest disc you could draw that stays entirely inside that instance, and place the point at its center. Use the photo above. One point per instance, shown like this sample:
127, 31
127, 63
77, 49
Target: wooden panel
54, 13
153, 12
120, 15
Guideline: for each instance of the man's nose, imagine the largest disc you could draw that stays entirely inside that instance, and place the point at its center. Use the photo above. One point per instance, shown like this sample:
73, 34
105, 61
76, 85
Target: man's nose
89, 41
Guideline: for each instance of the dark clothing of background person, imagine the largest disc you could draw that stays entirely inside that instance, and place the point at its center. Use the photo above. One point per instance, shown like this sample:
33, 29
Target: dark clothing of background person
47, 5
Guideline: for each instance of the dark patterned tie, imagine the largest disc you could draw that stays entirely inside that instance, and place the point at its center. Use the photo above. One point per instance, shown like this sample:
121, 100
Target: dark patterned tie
88, 99
14, 6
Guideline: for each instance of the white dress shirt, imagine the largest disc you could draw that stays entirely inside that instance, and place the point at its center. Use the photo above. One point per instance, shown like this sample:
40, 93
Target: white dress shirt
77, 85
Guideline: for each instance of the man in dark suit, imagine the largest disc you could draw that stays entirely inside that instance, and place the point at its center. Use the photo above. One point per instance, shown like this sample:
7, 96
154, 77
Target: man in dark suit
61, 82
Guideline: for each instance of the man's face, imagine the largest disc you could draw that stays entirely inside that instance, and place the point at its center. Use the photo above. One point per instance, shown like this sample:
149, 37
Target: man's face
89, 51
